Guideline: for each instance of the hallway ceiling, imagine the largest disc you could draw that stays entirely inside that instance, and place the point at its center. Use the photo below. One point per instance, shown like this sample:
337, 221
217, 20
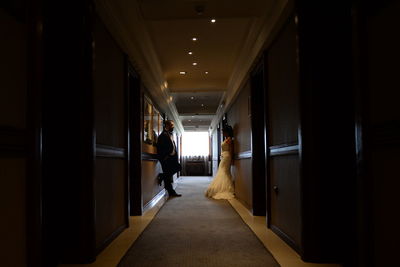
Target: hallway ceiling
163, 32
173, 23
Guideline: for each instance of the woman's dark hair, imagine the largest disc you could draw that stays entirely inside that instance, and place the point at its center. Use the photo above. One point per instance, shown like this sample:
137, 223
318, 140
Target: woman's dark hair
228, 129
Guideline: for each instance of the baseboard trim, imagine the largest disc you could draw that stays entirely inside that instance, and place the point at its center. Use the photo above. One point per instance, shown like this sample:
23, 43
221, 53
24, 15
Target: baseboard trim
111, 238
286, 238
154, 201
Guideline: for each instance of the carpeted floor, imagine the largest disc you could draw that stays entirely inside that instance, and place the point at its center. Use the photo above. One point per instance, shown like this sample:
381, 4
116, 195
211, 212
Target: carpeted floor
196, 231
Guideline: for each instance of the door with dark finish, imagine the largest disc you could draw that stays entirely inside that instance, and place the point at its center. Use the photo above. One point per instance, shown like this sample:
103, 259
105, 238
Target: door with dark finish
135, 115
257, 139
68, 133
282, 127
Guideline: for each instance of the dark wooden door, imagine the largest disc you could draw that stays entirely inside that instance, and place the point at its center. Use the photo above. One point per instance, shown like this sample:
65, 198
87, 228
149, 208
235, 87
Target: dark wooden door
135, 111
282, 127
257, 140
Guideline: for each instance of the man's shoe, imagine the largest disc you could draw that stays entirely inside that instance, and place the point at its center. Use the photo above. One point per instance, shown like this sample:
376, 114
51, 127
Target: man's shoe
175, 195
159, 179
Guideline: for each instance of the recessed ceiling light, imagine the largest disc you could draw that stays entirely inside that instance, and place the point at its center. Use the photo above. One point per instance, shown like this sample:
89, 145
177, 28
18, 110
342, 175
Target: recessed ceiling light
190, 53
206, 72
182, 72
213, 20
194, 39
194, 63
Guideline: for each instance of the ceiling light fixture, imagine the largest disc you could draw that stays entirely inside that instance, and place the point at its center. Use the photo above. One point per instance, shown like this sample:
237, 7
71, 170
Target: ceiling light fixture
194, 39
182, 72
190, 53
213, 20
194, 63
202, 105
192, 97
206, 72
199, 9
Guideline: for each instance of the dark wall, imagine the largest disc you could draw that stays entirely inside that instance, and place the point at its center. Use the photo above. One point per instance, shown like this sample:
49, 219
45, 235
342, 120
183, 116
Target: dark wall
239, 119
111, 136
13, 158
379, 130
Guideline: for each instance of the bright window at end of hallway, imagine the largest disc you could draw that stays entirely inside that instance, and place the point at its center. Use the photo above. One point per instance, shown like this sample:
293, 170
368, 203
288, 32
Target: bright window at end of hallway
195, 144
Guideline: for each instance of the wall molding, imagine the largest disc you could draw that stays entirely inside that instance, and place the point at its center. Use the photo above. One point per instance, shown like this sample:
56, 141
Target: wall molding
243, 155
149, 156
111, 238
104, 151
286, 238
13, 141
161, 196
135, 40
286, 149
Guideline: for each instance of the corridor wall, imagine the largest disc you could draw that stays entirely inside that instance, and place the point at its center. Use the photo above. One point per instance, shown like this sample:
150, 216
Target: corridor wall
303, 79
309, 102
239, 118
377, 55
13, 133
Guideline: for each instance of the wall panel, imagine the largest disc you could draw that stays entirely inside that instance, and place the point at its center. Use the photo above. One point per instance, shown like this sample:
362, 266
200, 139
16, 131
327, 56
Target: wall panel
242, 175
13, 211
239, 119
13, 156
13, 76
283, 95
381, 134
110, 191
150, 187
109, 91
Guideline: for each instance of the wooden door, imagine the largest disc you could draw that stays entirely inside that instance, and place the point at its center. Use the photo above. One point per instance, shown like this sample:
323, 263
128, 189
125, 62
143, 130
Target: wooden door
282, 120
135, 114
257, 139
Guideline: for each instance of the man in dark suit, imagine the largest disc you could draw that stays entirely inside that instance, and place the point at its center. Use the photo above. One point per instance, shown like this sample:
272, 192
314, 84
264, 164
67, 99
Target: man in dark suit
168, 157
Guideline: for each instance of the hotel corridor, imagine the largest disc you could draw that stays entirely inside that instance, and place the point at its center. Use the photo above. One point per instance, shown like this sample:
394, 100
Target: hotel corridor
304, 92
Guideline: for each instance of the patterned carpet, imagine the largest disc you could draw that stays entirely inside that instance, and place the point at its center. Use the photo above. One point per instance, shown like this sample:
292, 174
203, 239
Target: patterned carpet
196, 231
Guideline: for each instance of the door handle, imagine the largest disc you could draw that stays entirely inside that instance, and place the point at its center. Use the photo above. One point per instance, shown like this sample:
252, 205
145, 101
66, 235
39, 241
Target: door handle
276, 189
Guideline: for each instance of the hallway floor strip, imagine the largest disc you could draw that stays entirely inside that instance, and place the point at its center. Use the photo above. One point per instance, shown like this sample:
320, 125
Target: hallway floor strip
196, 231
